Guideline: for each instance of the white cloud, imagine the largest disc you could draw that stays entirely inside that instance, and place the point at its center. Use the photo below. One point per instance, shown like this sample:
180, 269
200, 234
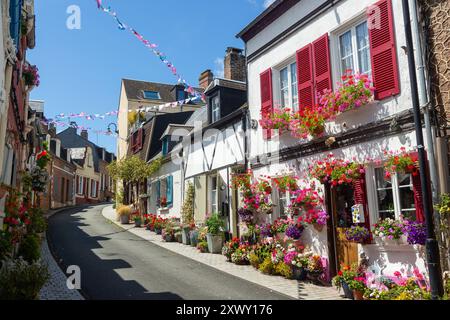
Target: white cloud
267, 3
219, 71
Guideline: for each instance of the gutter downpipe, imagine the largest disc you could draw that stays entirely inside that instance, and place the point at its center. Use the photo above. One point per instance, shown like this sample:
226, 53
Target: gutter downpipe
424, 102
432, 246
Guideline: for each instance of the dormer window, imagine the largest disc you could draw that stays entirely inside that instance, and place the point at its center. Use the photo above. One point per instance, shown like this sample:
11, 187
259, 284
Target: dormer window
165, 146
215, 108
152, 95
181, 94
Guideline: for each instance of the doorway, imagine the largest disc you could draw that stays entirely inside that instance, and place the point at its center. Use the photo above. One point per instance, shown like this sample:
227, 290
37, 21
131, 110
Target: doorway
340, 201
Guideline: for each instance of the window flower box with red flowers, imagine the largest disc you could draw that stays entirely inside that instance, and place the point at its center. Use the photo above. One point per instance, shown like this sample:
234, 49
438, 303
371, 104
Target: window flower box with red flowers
286, 183
401, 162
279, 120
304, 200
353, 92
336, 171
310, 121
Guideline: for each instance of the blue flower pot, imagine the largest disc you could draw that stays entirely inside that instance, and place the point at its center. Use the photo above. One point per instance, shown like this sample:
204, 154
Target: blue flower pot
347, 292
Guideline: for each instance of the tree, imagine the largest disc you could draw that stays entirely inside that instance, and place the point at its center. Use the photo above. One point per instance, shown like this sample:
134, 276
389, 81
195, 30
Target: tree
132, 171
187, 210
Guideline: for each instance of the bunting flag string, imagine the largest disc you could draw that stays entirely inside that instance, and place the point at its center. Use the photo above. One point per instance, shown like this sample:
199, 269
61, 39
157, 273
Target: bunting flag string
103, 116
152, 47
63, 124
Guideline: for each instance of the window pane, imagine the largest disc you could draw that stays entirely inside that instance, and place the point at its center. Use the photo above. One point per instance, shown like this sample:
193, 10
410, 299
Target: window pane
406, 194
362, 39
346, 51
284, 87
294, 86
385, 196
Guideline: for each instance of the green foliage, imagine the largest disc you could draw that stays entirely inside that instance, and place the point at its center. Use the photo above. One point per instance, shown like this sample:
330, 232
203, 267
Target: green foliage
254, 260
5, 244
215, 224
283, 269
187, 210
30, 248
133, 169
38, 223
267, 266
203, 246
20, 280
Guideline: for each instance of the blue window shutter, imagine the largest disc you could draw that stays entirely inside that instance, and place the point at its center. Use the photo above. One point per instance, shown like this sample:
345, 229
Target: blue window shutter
169, 190
15, 8
165, 146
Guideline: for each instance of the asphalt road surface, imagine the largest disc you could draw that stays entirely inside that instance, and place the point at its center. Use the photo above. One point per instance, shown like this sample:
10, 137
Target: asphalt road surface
117, 265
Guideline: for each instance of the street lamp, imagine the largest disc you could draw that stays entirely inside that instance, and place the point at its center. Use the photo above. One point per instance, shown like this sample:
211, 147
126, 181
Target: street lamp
109, 128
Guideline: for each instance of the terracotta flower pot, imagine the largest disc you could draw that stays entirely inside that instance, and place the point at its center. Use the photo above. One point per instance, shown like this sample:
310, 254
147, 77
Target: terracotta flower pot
358, 295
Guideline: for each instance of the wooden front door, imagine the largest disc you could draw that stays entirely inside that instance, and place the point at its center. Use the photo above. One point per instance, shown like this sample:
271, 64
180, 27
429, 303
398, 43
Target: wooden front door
342, 200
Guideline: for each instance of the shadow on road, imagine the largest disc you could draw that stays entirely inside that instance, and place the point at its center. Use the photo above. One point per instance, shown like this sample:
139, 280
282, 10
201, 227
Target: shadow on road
66, 227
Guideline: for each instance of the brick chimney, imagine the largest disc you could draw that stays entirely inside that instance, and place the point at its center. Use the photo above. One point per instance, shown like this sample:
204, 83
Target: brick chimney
206, 77
84, 134
235, 65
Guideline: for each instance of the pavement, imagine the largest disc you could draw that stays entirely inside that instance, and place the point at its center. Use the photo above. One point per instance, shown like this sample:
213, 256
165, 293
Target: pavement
291, 288
119, 265
56, 288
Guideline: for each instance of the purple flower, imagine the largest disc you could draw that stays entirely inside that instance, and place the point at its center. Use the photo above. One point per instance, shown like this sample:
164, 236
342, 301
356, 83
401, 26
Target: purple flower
245, 215
294, 232
416, 233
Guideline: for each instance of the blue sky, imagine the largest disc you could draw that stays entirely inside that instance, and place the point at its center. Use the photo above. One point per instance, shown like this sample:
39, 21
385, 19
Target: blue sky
81, 69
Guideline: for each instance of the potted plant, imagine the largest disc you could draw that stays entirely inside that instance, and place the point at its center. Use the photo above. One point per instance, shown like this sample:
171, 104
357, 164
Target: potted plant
193, 237
315, 268
202, 246
240, 255
214, 237
390, 231
358, 287
299, 263
343, 278
279, 228
124, 213
230, 247
179, 237
185, 233
358, 234
137, 221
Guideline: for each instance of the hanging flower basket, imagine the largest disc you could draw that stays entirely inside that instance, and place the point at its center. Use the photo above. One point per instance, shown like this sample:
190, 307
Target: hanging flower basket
318, 227
401, 162
336, 171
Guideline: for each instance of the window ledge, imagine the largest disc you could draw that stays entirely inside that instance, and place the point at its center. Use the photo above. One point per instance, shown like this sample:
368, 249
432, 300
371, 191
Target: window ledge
394, 248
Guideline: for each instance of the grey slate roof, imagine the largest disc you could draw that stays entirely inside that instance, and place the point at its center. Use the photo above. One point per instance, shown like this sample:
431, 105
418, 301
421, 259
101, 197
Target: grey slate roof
70, 139
134, 89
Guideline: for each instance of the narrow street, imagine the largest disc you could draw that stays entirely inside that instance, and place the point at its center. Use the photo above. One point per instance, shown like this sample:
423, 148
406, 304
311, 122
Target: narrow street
116, 264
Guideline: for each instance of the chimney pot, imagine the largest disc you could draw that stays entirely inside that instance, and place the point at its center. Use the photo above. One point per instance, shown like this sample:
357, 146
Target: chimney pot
84, 134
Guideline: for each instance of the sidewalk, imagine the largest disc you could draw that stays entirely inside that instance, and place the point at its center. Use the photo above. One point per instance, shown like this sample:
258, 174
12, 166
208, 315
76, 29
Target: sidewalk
292, 288
55, 288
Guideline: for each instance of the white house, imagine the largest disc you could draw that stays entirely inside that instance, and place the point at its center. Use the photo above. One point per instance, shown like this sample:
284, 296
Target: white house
296, 49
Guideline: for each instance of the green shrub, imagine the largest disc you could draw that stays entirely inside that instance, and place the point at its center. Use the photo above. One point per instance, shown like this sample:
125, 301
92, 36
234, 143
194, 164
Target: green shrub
215, 224
30, 249
284, 270
5, 245
267, 266
254, 260
20, 280
203, 246
38, 223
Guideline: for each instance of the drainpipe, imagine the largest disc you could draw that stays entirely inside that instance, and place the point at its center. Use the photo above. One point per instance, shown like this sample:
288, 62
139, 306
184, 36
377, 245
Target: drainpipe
424, 102
432, 246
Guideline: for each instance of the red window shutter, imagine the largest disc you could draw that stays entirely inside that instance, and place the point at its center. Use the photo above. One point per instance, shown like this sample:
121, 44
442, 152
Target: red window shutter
322, 65
418, 199
305, 76
383, 50
78, 185
266, 98
360, 197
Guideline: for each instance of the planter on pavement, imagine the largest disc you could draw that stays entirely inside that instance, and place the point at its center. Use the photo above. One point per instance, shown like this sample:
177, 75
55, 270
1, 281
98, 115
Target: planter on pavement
215, 243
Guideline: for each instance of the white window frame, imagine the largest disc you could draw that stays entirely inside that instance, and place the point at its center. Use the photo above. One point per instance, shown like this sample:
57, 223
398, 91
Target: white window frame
335, 50
80, 185
277, 84
373, 197
213, 195
215, 117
